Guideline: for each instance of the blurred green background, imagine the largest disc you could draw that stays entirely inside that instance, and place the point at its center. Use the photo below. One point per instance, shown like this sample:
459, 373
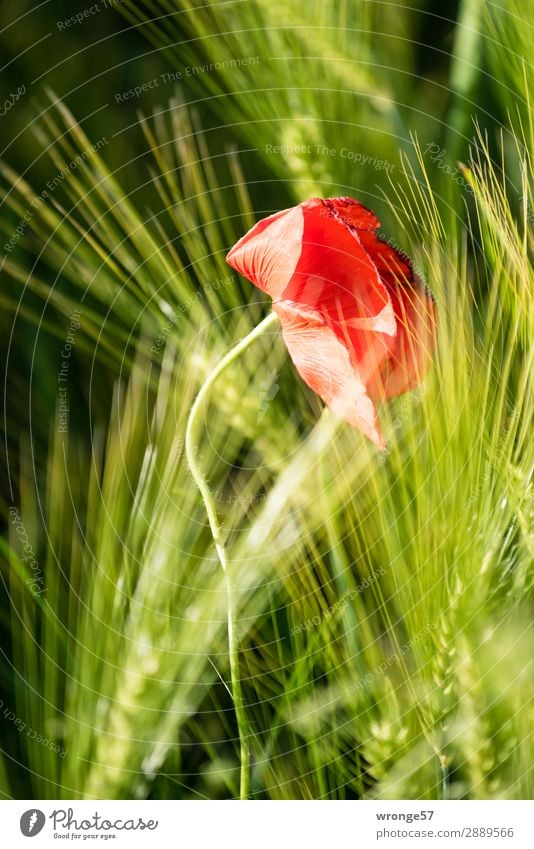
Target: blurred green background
424, 115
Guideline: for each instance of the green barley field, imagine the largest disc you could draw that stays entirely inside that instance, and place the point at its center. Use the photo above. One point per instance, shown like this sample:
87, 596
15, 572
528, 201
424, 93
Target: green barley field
380, 603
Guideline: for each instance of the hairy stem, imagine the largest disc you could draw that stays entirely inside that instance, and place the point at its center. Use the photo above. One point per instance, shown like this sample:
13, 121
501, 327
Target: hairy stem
191, 440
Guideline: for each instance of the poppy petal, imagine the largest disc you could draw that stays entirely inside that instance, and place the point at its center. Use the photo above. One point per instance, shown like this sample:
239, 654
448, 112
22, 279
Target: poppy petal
353, 213
335, 274
410, 358
392, 265
323, 362
358, 322
415, 316
336, 277
268, 254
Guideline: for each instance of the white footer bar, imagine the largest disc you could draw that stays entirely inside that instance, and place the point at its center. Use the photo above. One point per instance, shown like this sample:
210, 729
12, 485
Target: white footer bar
269, 825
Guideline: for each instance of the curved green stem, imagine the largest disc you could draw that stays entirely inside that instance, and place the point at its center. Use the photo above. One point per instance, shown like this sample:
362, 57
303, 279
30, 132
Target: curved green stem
191, 432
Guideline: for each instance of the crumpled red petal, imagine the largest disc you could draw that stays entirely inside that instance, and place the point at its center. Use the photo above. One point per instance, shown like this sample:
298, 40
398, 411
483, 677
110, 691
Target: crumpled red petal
415, 317
353, 213
268, 254
335, 274
324, 364
414, 343
358, 322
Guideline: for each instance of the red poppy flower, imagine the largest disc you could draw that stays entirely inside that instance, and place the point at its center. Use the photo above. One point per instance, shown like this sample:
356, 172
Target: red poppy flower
357, 321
